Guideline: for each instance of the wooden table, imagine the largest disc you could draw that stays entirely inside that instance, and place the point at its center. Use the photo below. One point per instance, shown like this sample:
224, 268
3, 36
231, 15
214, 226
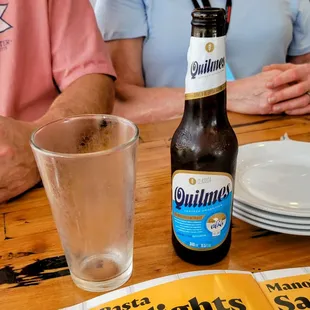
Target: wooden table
33, 270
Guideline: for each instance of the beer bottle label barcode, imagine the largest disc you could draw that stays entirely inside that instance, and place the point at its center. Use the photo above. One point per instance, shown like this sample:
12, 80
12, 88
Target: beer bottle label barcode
206, 72
201, 208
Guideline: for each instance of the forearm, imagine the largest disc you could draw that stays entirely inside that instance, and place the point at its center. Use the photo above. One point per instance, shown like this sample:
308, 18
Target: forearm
147, 105
144, 105
90, 94
250, 95
232, 96
237, 98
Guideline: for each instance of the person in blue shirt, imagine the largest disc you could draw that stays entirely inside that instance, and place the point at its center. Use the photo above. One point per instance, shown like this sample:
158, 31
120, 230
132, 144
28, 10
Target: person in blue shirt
148, 42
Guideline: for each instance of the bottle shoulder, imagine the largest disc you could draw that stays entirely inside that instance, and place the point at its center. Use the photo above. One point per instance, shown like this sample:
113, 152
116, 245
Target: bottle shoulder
211, 137
204, 150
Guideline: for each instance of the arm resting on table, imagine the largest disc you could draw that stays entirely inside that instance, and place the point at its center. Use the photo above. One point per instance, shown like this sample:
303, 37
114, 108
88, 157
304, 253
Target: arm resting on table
143, 104
89, 94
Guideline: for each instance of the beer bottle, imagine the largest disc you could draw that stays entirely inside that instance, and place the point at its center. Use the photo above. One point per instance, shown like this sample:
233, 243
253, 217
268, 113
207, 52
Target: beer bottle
204, 149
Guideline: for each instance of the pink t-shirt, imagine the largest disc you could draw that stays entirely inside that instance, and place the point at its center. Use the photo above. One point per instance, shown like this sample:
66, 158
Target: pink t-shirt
44, 43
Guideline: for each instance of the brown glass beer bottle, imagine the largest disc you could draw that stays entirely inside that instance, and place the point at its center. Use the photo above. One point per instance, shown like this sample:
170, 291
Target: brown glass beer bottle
204, 149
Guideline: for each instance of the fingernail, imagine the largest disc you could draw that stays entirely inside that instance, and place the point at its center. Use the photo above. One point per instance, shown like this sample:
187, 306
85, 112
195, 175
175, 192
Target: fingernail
276, 108
269, 84
271, 100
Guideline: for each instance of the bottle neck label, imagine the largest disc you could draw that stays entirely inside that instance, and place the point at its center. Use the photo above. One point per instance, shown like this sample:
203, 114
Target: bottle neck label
206, 71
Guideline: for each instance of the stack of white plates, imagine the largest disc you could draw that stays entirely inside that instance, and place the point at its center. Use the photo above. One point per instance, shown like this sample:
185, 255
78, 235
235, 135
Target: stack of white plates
272, 187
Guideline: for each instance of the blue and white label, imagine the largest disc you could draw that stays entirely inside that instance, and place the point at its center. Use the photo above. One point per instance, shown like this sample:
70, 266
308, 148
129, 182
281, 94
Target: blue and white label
201, 208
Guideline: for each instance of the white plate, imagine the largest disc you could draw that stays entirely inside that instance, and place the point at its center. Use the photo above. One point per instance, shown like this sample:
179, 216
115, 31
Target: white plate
298, 232
272, 216
275, 177
271, 222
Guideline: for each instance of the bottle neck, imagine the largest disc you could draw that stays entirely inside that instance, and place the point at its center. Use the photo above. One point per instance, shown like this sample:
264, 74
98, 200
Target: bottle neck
206, 70
206, 112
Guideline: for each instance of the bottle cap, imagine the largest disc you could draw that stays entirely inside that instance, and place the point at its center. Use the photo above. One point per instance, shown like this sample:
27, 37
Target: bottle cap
209, 16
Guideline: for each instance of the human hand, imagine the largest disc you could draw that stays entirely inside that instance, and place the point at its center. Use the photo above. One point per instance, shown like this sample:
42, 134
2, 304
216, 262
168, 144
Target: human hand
18, 170
294, 99
250, 95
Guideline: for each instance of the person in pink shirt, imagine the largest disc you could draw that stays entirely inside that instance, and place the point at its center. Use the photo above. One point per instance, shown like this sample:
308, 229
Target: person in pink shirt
53, 64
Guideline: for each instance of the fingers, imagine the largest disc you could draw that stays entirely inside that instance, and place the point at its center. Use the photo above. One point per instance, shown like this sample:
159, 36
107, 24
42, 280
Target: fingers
282, 67
300, 111
289, 76
289, 92
293, 104
293, 75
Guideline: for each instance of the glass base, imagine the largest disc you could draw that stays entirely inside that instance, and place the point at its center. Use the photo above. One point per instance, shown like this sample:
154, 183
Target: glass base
103, 286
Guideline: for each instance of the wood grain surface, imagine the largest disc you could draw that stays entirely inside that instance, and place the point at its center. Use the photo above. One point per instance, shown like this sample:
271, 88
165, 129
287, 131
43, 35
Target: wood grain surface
33, 269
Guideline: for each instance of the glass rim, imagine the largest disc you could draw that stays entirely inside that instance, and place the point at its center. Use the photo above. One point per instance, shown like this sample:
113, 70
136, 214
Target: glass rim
114, 149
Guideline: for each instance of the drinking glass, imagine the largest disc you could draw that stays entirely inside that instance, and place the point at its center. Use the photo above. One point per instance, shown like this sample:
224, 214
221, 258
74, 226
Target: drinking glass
88, 166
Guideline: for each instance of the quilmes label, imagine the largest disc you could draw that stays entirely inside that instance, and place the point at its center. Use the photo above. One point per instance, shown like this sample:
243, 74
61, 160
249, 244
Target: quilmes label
206, 72
201, 208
